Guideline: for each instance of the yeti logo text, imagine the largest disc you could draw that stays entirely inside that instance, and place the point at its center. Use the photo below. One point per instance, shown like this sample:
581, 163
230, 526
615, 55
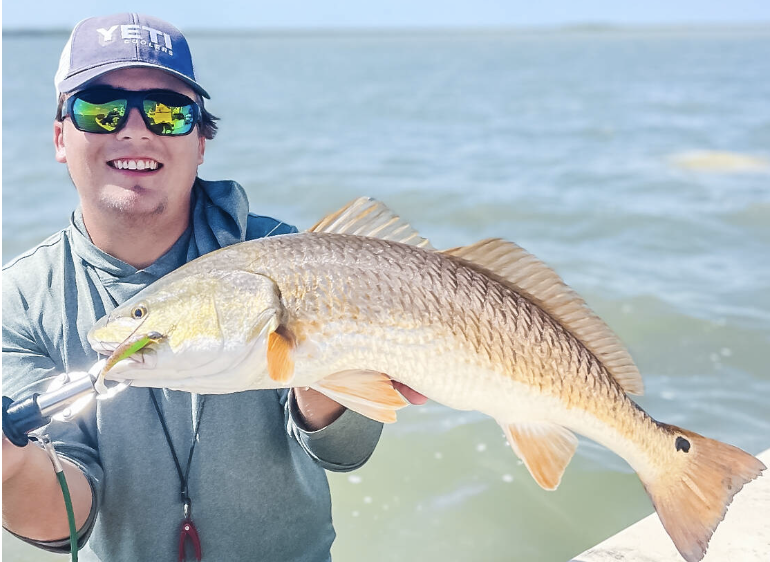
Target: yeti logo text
133, 34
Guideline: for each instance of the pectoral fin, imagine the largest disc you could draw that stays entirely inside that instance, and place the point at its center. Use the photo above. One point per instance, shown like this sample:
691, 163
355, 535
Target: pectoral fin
545, 448
280, 345
367, 392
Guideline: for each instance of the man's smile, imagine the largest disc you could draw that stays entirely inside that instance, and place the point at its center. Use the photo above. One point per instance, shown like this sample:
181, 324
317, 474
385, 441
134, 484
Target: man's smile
135, 164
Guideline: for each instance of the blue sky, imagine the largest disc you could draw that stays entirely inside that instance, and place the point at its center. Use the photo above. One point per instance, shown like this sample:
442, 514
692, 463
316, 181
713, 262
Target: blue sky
394, 13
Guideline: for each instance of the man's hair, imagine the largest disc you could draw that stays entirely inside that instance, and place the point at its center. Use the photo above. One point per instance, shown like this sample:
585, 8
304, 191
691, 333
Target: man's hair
207, 127
208, 124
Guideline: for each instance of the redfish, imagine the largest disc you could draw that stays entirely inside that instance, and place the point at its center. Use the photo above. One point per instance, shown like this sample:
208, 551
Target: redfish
362, 298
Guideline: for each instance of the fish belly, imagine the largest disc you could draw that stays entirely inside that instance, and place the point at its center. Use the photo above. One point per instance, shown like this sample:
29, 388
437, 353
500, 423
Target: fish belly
445, 371
430, 363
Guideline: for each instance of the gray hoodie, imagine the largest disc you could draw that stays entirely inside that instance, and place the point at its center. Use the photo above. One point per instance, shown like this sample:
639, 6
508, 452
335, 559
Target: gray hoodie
257, 481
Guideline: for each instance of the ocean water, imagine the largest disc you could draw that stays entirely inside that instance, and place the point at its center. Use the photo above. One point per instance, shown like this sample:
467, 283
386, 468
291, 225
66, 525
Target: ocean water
635, 162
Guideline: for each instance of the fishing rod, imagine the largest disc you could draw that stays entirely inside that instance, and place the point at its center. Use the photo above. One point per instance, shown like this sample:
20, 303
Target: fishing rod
24, 416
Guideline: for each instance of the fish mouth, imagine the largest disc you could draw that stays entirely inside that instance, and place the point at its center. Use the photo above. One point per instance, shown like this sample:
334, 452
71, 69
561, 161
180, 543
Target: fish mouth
108, 348
104, 347
144, 356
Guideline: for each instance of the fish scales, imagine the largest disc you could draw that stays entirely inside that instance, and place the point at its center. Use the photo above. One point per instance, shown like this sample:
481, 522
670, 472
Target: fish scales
371, 282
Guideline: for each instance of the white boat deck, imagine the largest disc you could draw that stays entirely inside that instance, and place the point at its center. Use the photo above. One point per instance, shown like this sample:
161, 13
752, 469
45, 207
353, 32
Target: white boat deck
743, 536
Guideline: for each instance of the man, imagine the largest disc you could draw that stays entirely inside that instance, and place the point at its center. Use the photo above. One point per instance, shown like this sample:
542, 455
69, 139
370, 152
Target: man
132, 129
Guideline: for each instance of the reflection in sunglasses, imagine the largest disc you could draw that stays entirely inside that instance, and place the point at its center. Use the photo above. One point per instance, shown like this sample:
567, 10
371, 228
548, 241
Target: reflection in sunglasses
110, 120
167, 118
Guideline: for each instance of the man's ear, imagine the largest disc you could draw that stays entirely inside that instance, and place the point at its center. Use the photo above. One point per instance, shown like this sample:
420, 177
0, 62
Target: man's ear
58, 141
201, 148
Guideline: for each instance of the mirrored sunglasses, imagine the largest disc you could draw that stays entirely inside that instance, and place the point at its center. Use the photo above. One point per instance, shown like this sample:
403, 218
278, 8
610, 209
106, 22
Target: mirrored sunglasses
105, 110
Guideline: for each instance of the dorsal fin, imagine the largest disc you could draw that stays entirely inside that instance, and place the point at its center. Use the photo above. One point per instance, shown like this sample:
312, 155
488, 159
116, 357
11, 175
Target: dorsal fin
533, 279
367, 217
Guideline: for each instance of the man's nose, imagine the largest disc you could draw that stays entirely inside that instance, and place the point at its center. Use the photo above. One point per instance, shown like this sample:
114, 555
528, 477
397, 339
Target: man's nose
134, 127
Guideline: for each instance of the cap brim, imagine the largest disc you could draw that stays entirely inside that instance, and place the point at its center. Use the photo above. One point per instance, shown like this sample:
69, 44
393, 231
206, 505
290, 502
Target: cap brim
83, 78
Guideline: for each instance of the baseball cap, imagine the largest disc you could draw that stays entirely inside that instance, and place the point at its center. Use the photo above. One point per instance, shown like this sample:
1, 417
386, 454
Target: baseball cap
101, 44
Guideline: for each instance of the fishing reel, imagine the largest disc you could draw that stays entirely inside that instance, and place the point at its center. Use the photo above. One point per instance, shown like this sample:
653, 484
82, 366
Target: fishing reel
66, 396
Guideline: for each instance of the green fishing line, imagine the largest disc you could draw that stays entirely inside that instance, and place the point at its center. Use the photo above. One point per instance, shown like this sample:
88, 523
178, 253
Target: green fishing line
45, 440
70, 515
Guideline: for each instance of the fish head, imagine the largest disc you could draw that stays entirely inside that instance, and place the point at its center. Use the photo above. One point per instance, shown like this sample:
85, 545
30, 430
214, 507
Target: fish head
202, 324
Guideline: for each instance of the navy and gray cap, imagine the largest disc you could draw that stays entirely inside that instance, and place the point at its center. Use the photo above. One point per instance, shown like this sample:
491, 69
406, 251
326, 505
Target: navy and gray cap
102, 44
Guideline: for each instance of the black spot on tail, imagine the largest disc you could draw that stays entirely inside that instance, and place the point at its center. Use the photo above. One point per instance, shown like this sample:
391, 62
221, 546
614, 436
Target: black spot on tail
682, 444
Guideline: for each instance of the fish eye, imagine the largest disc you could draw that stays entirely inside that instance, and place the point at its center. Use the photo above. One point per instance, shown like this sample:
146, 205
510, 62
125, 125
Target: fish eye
139, 312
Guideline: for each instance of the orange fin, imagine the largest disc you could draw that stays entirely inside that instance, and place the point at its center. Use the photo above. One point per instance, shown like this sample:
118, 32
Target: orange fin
280, 344
692, 494
545, 448
369, 393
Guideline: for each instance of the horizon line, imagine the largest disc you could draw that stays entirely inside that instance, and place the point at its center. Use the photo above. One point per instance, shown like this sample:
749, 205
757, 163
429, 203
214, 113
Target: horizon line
587, 26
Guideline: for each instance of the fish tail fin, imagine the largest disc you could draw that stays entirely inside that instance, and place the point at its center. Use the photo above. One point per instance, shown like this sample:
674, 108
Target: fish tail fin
691, 498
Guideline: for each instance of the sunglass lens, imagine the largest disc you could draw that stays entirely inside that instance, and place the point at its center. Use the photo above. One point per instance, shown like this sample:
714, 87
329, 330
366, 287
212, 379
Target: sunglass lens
170, 115
94, 116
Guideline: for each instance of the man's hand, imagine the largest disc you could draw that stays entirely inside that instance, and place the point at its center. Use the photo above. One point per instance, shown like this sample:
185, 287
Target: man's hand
14, 459
413, 396
318, 411
33, 505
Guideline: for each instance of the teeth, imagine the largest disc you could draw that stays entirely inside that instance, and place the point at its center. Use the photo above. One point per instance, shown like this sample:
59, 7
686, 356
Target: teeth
135, 164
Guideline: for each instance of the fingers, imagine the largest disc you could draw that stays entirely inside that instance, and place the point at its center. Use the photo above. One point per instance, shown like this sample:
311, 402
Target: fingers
317, 411
410, 394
